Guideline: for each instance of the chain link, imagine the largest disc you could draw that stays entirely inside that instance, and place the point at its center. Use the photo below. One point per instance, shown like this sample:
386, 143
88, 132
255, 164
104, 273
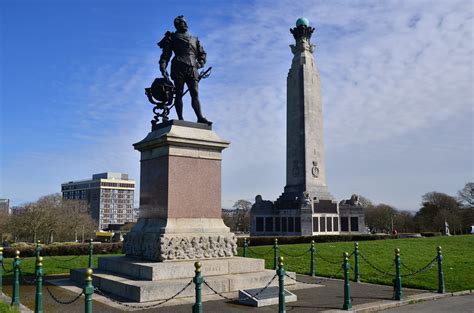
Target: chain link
99, 292
406, 267
26, 281
317, 282
5, 270
384, 273
325, 259
246, 298
293, 255
260, 254
61, 301
62, 260
425, 268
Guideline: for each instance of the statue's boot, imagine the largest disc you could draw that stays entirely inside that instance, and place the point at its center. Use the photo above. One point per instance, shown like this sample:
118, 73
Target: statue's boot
204, 121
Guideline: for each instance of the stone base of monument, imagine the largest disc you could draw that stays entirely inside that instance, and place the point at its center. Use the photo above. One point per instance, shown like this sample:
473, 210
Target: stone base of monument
142, 281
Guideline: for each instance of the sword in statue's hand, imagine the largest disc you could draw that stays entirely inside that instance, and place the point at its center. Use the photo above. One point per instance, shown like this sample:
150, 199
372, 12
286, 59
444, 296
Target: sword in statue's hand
202, 75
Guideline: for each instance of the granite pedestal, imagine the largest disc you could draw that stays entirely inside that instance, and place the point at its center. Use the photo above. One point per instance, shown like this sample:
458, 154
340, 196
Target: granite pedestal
180, 223
180, 196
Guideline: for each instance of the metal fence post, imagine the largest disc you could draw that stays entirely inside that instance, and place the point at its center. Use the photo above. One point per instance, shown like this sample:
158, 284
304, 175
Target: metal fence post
312, 272
275, 254
356, 263
246, 244
16, 280
440, 272
91, 251
38, 249
398, 279
39, 285
347, 289
1, 269
197, 307
88, 291
281, 286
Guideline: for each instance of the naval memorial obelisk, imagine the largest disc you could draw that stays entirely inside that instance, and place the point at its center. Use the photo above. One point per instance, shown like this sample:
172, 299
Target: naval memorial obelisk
306, 206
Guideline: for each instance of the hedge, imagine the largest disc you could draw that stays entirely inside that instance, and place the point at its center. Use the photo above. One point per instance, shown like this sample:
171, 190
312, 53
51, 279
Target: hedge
75, 249
268, 240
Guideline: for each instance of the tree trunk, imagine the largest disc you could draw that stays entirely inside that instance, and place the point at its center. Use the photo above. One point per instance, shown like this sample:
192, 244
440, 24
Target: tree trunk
51, 236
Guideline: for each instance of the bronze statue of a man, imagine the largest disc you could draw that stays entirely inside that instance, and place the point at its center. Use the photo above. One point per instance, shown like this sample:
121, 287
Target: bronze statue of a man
189, 56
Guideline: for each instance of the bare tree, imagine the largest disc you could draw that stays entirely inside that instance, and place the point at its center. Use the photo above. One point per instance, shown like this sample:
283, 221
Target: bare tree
4, 221
437, 208
52, 217
466, 196
242, 215
379, 218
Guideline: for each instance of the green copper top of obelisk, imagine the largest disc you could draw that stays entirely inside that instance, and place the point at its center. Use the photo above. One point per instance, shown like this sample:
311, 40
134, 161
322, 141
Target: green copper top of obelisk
302, 21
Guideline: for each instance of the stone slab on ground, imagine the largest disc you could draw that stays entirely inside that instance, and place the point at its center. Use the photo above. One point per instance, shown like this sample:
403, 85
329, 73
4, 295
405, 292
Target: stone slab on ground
257, 297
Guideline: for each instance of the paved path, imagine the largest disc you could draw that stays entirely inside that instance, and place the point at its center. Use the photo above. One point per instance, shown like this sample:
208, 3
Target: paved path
456, 304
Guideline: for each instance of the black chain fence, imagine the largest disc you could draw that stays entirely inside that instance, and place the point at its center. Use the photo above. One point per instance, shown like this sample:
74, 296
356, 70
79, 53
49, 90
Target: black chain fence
384, 273
25, 280
318, 282
260, 254
5, 270
246, 298
150, 306
318, 255
294, 255
425, 268
65, 302
64, 260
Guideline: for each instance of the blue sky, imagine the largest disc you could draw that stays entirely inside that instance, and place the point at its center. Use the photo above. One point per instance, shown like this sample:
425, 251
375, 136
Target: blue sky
397, 87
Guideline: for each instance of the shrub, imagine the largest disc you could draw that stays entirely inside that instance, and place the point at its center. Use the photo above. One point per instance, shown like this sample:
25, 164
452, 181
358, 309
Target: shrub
267, 240
65, 249
21, 244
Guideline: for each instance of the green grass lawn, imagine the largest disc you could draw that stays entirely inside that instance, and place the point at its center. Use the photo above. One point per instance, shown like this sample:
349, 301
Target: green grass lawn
458, 260
53, 265
5, 308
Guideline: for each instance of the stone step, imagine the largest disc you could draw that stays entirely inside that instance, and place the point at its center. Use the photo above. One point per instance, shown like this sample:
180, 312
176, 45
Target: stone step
145, 290
150, 270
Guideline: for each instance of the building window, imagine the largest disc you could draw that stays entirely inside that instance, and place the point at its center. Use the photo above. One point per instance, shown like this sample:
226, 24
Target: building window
354, 223
323, 224
315, 224
329, 223
335, 223
284, 226
277, 224
298, 224
260, 224
344, 223
268, 223
291, 225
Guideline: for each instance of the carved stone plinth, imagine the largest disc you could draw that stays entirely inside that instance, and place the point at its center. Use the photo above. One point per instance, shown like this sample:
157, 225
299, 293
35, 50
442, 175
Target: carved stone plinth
180, 196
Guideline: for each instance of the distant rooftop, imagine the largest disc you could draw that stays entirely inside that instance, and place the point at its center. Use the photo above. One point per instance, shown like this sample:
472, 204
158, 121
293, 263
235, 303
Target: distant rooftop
110, 175
106, 175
